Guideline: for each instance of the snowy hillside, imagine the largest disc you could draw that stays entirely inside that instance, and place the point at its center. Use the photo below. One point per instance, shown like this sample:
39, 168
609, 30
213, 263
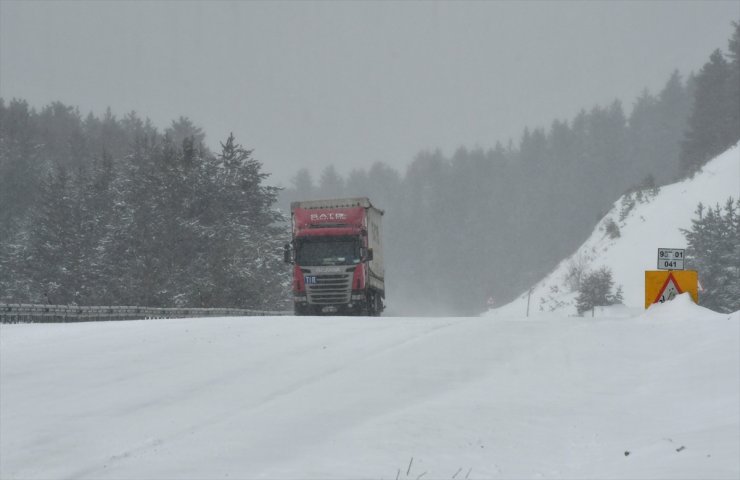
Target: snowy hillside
435, 398
646, 222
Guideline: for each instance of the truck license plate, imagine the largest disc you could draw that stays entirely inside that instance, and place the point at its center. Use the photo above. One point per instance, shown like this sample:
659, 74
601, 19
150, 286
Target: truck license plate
309, 279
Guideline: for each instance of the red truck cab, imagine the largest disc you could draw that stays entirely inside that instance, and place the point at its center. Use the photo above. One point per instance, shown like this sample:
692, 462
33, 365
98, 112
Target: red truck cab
336, 253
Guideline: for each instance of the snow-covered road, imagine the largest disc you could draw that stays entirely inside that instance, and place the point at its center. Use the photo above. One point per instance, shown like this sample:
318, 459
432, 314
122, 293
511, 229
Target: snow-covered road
337, 397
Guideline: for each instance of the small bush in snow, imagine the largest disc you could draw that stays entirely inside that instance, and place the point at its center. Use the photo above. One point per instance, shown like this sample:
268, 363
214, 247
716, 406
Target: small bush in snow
596, 289
612, 229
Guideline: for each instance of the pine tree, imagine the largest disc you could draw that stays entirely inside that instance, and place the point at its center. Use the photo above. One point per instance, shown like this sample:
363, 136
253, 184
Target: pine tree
52, 253
733, 88
331, 184
358, 183
20, 173
383, 184
710, 124
303, 186
656, 129
244, 233
21, 166
643, 133
183, 128
596, 290
673, 110
134, 238
714, 251
99, 197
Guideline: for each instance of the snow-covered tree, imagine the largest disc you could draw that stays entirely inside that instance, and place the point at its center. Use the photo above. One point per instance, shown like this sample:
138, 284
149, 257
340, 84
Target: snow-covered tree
714, 251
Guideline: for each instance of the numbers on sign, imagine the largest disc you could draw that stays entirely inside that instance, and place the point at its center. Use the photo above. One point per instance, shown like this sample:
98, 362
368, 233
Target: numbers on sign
670, 258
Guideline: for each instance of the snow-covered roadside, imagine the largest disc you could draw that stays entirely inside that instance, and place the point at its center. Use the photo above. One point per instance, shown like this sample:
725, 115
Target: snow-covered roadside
359, 397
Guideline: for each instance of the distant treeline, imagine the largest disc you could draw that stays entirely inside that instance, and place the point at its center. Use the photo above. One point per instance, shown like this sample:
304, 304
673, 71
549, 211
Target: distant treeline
486, 224
102, 211
112, 211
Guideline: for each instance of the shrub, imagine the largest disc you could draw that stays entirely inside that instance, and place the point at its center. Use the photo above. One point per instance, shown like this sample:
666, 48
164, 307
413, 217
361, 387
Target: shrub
612, 229
596, 289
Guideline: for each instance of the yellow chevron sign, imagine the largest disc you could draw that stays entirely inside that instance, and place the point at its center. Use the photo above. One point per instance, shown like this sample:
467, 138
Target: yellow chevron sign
662, 285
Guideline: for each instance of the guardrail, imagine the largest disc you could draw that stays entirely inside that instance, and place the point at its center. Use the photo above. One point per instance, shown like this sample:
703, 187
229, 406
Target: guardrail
25, 313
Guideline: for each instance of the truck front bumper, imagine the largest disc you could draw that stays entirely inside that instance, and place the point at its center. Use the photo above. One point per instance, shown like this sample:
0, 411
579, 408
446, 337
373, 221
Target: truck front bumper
356, 306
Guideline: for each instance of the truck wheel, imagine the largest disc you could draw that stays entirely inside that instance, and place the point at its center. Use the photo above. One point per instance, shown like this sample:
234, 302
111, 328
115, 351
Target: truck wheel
374, 305
377, 305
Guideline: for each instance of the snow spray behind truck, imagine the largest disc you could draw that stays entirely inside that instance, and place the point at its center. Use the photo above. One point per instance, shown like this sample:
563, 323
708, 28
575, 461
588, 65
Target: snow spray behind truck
337, 256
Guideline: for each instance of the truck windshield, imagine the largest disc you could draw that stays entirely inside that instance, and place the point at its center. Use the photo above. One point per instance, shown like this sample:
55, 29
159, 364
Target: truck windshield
328, 251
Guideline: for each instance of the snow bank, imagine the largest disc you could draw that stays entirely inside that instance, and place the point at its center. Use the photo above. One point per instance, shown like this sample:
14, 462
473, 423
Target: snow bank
683, 308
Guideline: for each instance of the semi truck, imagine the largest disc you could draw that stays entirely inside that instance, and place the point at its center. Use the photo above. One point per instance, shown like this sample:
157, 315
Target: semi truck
336, 251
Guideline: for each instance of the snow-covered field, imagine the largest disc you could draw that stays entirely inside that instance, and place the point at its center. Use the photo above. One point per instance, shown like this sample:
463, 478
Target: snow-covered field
653, 396
653, 223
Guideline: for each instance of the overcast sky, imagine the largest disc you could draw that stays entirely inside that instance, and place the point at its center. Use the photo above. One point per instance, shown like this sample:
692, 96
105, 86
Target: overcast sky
308, 84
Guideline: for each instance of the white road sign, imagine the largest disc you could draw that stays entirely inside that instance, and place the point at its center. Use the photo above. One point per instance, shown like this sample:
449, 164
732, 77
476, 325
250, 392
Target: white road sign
670, 258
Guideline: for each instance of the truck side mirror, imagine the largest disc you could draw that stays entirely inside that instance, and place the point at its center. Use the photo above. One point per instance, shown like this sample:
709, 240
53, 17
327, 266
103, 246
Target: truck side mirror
369, 255
287, 257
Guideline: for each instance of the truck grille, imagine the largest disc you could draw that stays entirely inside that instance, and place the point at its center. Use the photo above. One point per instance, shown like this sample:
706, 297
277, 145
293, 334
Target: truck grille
330, 289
